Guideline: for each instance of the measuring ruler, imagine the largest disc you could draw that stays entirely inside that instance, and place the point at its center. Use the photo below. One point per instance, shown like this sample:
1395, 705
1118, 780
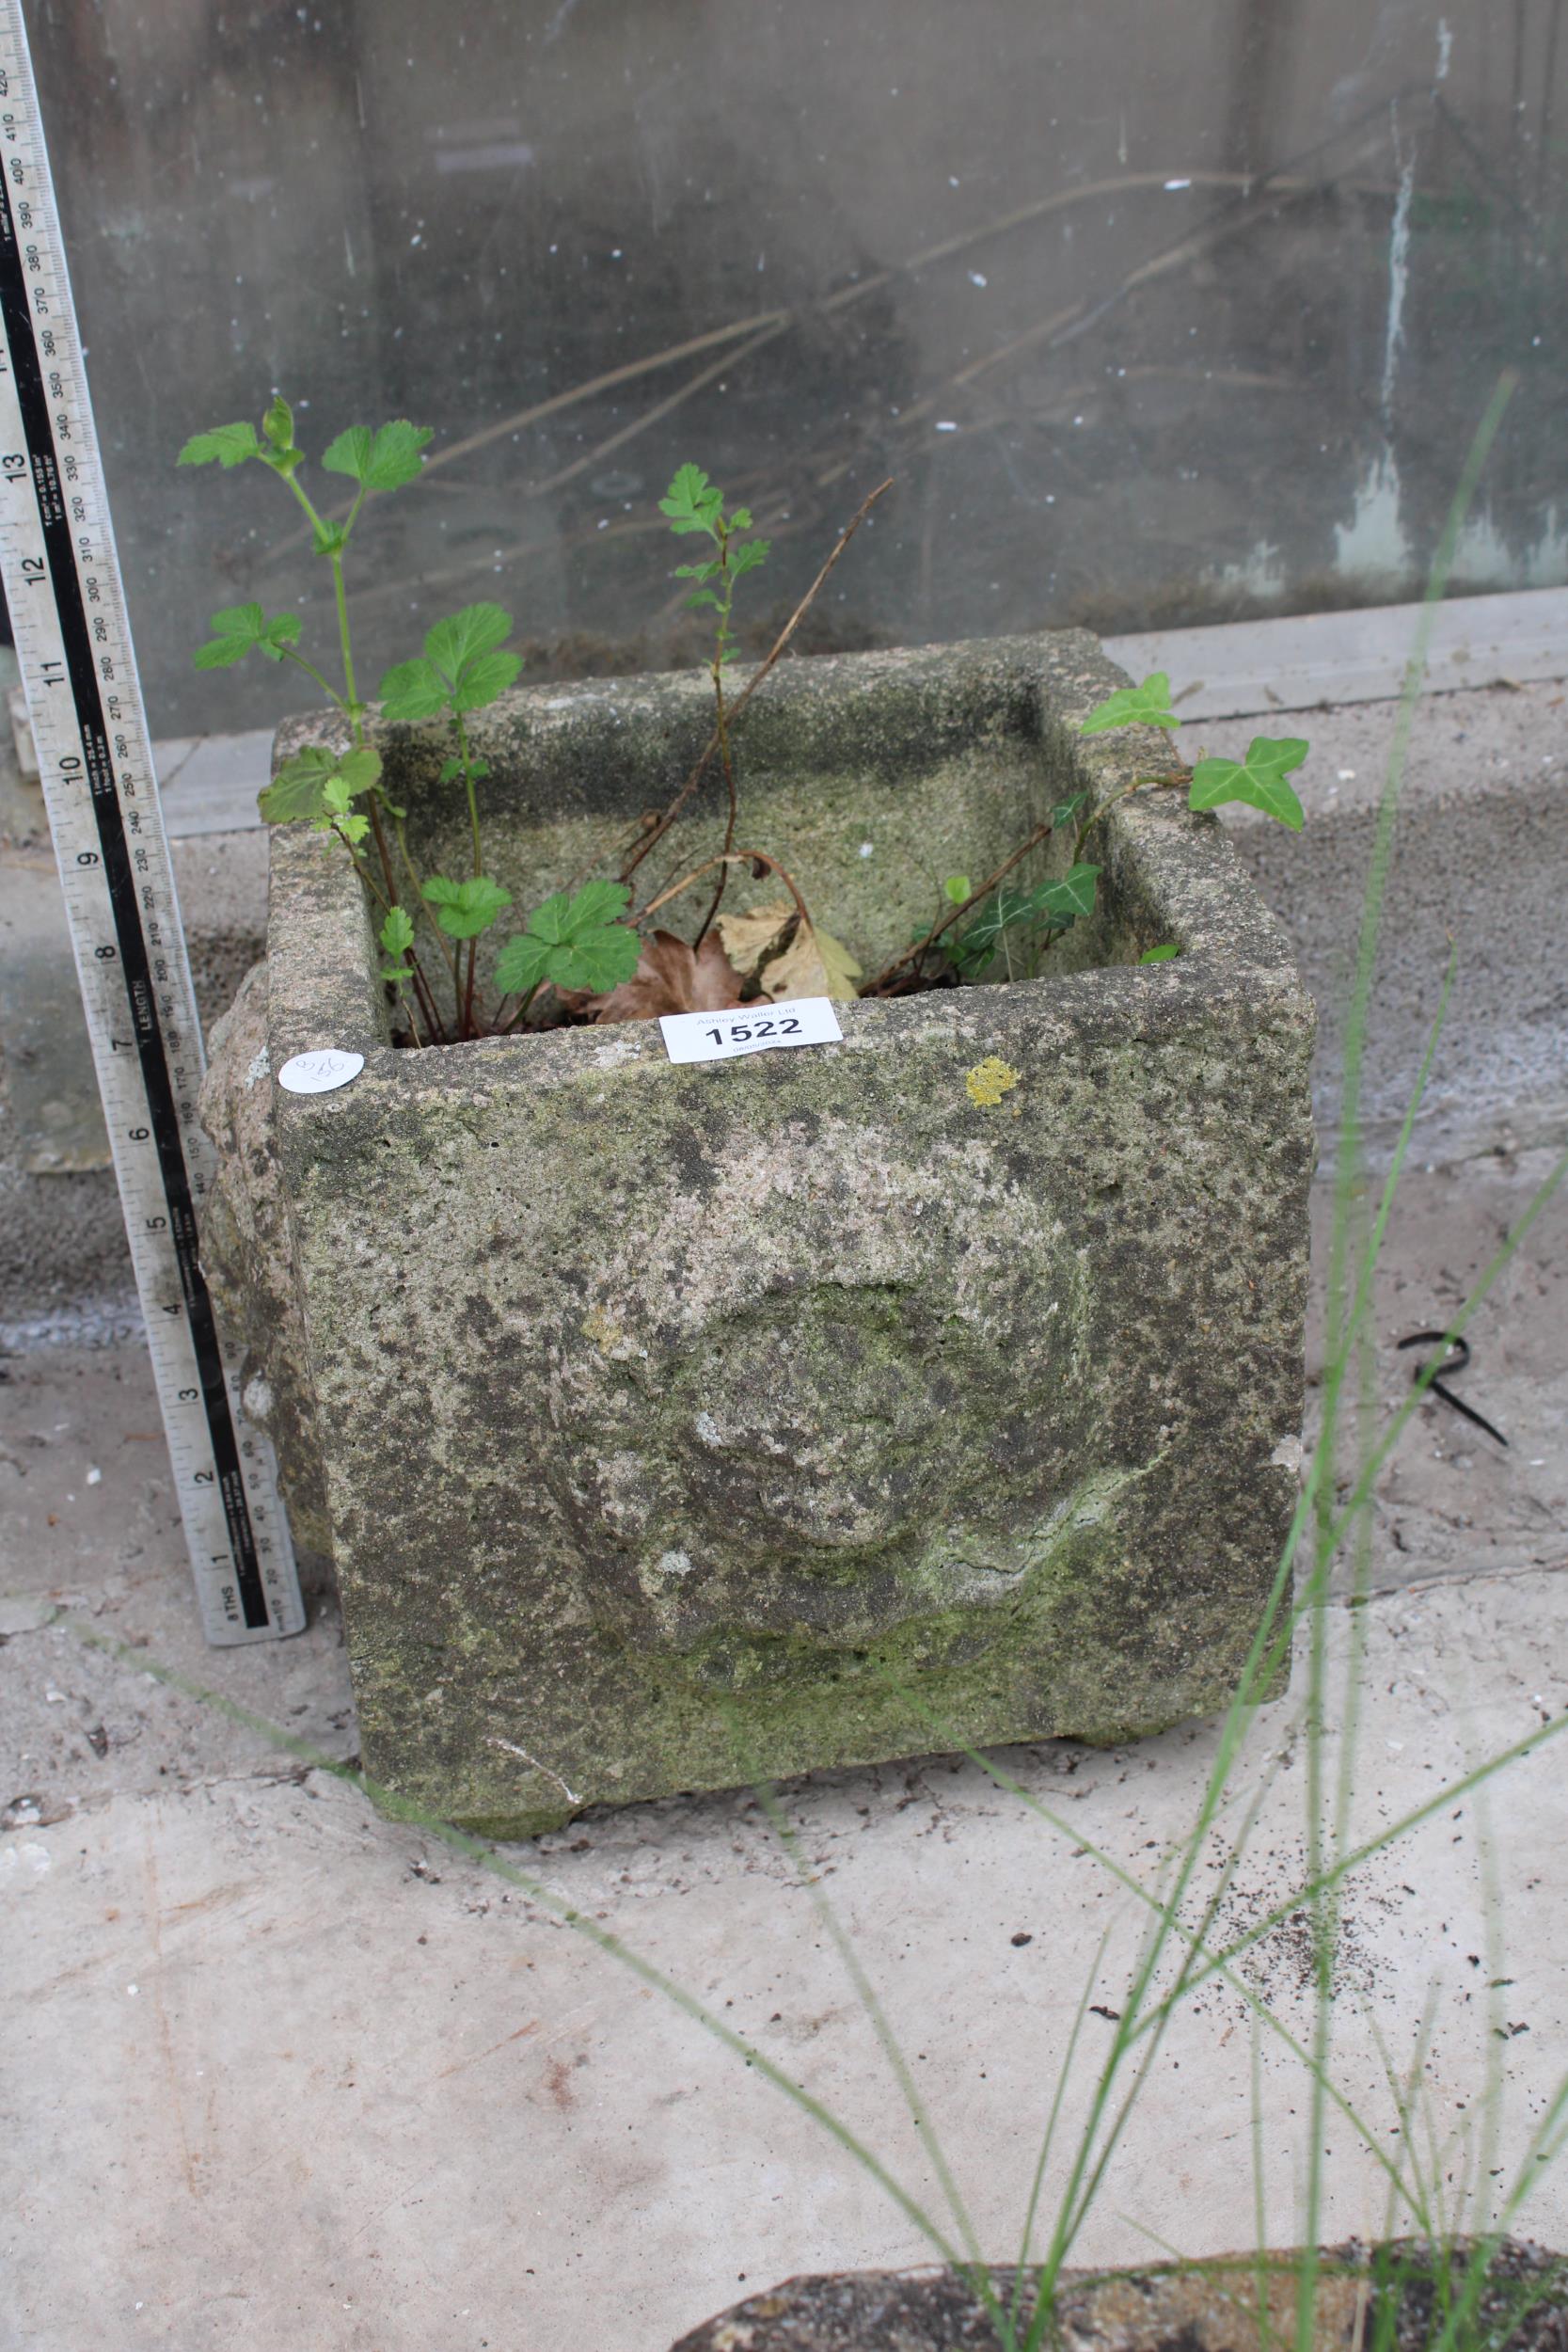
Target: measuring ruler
95, 759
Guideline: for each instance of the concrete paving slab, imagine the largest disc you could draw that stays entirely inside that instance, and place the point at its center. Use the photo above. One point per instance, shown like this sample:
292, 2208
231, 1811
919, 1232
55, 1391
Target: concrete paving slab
316, 2083
280, 2073
1353, 657
1477, 870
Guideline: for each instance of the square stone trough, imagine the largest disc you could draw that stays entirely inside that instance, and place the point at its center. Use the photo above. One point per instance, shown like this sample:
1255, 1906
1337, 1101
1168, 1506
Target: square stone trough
670, 1427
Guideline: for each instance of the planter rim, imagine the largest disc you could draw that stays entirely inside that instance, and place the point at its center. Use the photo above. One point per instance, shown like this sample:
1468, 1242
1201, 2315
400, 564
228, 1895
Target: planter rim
324, 957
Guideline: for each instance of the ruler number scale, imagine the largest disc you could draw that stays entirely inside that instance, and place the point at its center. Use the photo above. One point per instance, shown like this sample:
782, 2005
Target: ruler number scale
95, 759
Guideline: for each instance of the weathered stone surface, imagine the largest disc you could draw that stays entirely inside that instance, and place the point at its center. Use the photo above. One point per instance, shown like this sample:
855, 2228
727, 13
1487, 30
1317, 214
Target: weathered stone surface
683, 1424
246, 1258
1395, 2296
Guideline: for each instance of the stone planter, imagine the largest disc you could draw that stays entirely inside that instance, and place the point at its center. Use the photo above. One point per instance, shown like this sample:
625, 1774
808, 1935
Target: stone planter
671, 1426
1392, 2295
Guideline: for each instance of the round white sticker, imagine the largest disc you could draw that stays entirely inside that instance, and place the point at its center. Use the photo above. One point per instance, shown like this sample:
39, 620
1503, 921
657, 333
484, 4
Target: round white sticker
319, 1072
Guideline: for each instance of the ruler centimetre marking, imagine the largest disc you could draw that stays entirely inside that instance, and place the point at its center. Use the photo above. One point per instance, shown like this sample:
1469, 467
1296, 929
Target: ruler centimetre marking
95, 760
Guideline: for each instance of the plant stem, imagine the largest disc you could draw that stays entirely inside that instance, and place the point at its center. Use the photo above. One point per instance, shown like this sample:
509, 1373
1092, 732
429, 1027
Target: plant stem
1139, 784
363, 871
722, 726
655, 834
356, 711
466, 756
373, 798
348, 702
427, 1002
912, 955
508, 1027
370, 883
420, 901
725, 857
330, 691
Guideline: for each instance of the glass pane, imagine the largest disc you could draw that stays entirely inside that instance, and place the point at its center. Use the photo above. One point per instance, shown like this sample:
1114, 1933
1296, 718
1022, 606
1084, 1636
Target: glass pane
1154, 315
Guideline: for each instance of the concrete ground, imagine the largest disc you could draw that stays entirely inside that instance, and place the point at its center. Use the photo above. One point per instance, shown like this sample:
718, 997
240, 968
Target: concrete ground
279, 2073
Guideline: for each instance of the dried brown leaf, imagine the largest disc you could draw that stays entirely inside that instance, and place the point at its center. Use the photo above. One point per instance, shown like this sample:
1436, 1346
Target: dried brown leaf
673, 977
815, 963
746, 936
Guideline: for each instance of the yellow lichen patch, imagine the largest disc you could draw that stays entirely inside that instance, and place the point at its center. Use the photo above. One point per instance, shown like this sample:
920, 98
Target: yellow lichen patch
603, 1330
988, 1081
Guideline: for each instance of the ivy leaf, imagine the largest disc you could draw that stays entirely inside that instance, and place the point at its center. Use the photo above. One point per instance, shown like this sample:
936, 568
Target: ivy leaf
1071, 895
397, 931
1057, 904
1147, 706
227, 445
465, 909
957, 889
974, 949
299, 789
237, 628
383, 460
414, 690
1160, 955
692, 502
1065, 811
1258, 780
573, 940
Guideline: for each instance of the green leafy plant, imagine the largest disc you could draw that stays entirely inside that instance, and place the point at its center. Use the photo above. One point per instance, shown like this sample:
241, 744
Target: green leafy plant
574, 941
1042, 914
1258, 780
582, 943
1022, 924
465, 909
337, 788
1147, 706
241, 629
692, 503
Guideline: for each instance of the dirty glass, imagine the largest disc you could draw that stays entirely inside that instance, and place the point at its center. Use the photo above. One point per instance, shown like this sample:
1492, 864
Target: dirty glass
1156, 314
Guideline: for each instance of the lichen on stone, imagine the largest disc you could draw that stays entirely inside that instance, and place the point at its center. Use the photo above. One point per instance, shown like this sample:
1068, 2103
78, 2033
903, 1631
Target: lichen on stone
988, 1081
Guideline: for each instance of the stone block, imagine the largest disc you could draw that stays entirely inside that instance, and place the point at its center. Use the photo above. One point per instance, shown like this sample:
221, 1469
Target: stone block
675, 1427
